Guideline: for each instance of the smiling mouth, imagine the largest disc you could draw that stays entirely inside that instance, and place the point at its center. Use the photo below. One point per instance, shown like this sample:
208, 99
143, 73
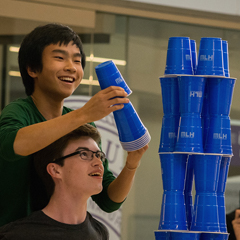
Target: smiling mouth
67, 79
95, 174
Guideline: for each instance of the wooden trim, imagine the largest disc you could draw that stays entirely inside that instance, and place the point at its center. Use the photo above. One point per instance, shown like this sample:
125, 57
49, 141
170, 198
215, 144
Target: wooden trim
151, 11
47, 13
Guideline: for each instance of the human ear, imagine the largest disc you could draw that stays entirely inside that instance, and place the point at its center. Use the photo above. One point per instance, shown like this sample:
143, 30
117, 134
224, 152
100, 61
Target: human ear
32, 73
54, 170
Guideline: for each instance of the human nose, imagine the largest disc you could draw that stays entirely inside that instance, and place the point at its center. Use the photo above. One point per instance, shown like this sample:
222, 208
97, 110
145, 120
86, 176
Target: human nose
70, 67
96, 160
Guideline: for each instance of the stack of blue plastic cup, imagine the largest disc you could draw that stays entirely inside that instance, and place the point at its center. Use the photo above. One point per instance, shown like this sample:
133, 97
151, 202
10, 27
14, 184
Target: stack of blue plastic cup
170, 121
133, 135
203, 148
206, 172
218, 137
191, 92
173, 213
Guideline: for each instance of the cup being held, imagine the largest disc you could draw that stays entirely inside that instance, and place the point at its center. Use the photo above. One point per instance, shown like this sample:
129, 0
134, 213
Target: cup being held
109, 75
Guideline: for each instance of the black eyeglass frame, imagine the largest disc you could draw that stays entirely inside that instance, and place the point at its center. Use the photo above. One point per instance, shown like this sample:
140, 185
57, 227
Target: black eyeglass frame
78, 152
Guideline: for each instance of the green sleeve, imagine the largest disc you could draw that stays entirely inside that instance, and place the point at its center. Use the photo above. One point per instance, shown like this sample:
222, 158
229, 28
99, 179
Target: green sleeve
11, 120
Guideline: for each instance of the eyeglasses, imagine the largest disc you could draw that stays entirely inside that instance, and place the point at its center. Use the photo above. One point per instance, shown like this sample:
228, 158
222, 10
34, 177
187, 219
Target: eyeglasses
85, 154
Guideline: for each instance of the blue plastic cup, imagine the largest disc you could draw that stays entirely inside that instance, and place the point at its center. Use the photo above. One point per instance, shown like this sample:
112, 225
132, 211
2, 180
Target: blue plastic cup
191, 93
205, 217
214, 236
188, 190
173, 213
206, 175
225, 162
220, 92
188, 235
169, 132
173, 168
225, 58
219, 136
109, 75
194, 54
206, 172
210, 57
189, 137
170, 121
170, 95
162, 235
179, 56
133, 135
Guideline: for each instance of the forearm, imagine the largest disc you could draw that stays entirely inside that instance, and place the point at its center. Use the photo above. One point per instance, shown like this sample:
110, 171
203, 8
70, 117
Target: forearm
33, 138
121, 186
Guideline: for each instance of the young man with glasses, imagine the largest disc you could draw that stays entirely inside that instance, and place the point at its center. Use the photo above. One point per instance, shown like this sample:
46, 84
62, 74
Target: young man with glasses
72, 170
51, 62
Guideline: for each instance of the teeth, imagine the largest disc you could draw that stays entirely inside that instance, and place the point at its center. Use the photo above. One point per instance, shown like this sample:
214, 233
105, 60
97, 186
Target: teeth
95, 174
68, 79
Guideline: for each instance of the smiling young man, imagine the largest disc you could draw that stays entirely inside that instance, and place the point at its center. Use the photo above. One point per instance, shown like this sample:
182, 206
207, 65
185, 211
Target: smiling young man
72, 171
51, 62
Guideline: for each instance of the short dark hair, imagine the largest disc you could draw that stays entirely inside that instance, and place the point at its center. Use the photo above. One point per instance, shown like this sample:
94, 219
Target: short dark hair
32, 46
55, 150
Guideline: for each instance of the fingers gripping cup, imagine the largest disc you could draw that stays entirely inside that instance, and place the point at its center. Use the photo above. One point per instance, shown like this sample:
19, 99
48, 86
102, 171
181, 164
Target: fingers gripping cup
179, 56
210, 57
109, 75
173, 213
133, 135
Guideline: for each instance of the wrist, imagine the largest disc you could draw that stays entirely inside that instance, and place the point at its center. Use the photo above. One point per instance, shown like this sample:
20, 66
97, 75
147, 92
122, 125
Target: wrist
131, 168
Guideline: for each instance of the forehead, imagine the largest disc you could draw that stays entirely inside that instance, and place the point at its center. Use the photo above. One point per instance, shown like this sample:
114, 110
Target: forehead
68, 48
86, 142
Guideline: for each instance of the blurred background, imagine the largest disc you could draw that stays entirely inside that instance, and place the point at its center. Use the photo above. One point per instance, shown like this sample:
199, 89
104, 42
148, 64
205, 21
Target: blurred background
135, 35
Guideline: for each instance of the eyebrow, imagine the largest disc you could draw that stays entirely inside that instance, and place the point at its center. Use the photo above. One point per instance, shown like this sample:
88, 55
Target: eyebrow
66, 53
82, 148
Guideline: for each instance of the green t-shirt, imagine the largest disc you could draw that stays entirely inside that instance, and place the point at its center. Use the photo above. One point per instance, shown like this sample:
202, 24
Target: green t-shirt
18, 195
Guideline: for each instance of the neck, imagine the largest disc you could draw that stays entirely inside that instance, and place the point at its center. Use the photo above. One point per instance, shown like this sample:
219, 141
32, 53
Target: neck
66, 210
49, 107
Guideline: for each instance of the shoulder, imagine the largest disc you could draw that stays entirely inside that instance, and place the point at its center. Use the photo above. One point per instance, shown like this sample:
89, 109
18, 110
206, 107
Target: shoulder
98, 226
20, 105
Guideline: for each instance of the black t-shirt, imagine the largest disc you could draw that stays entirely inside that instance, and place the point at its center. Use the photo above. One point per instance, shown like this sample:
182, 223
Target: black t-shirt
39, 226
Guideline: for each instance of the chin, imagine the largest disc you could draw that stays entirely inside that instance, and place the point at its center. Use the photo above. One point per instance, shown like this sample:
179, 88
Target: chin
99, 189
